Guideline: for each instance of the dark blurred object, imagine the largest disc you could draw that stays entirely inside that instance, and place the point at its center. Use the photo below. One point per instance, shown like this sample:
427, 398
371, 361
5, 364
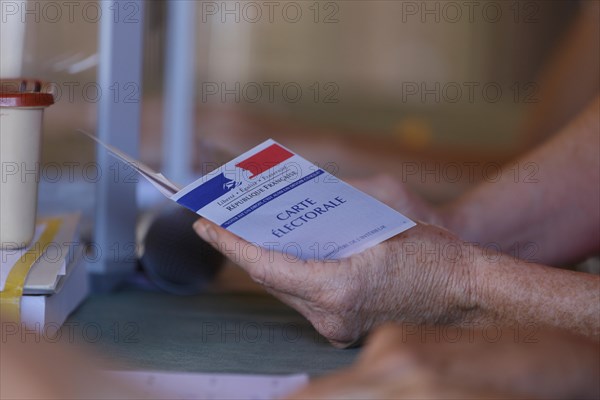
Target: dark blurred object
175, 258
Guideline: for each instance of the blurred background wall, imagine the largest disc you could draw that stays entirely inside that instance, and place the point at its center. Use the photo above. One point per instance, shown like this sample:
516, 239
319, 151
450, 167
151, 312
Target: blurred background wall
365, 85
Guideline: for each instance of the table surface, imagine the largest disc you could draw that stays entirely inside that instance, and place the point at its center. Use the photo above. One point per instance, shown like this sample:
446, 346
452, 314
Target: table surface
231, 332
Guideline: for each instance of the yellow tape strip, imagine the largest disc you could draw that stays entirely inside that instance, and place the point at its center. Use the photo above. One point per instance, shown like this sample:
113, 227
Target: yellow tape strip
10, 297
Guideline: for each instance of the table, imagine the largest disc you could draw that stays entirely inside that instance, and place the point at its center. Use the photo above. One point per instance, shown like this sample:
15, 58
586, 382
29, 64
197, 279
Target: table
211, 332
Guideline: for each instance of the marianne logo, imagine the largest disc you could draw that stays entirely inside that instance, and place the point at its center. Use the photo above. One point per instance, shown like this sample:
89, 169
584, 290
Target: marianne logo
230, 184
220, 185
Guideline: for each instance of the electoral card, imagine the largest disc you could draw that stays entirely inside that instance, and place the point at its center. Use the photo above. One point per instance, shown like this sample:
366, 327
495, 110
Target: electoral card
276, 199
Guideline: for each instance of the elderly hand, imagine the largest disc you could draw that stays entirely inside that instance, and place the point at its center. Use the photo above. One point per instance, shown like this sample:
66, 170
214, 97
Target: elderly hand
447, 362
397, 195
423, 275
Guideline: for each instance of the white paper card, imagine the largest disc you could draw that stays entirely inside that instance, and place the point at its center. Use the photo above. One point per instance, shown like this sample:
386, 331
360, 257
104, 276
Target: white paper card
272, 197
203, 386
276, 199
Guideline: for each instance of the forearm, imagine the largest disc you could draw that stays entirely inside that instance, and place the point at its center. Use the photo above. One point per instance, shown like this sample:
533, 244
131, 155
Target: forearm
550, 215
512, 292
569, 79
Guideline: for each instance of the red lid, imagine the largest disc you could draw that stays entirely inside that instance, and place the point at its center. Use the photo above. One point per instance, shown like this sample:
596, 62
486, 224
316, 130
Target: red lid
23, 93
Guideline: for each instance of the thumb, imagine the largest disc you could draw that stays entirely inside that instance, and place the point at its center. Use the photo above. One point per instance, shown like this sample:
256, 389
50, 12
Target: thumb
266, 266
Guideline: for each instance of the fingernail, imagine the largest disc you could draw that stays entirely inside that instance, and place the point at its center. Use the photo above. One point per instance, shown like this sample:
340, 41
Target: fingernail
205, 231
197, 226
212, 234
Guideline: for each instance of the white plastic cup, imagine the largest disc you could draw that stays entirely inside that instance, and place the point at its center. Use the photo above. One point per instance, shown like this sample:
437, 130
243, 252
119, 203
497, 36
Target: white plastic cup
21, 115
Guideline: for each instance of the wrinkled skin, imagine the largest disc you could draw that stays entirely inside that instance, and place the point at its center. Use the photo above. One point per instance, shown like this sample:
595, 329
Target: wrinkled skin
397, 280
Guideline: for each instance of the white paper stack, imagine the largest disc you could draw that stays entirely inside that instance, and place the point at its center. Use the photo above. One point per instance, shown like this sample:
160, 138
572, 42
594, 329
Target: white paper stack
57, 281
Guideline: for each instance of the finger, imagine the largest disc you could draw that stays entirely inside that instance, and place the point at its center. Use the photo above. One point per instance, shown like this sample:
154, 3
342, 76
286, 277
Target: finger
268, 267
298, 284
387, 348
